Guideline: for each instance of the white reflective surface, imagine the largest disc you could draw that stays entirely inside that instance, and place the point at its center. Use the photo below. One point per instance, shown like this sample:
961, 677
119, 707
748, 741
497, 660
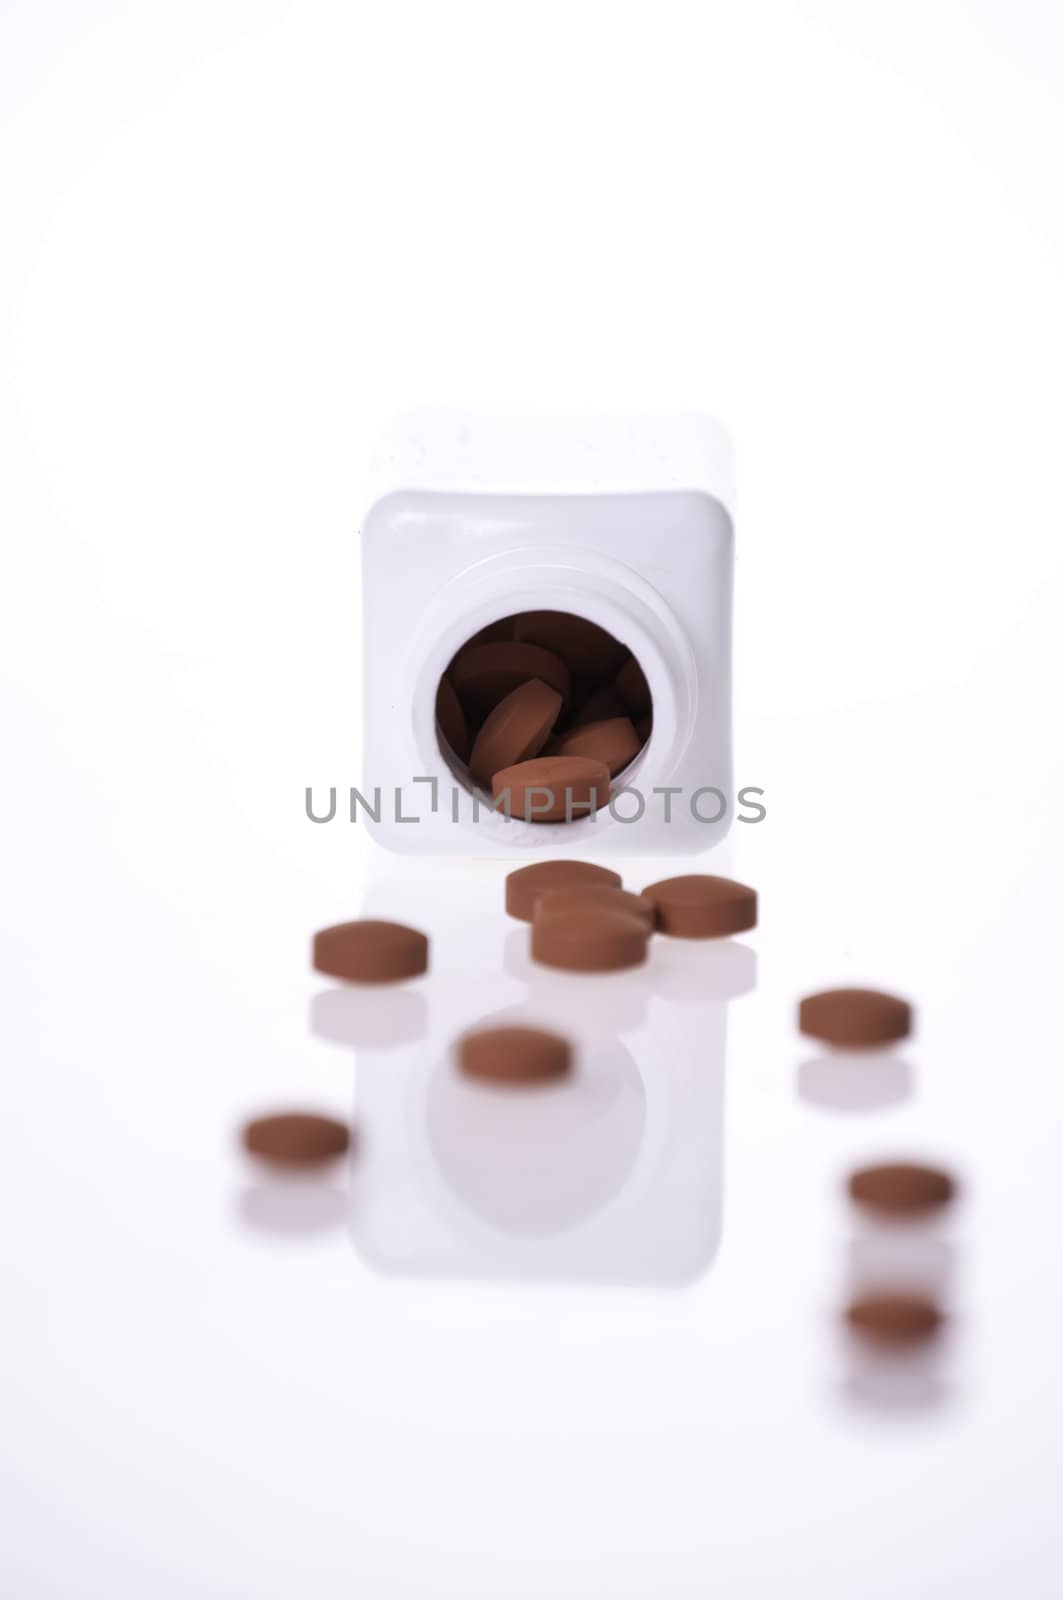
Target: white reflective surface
236, 236
614, 1175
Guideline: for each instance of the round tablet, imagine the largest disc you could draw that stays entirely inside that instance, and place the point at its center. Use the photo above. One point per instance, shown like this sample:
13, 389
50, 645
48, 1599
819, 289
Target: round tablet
370, 952
514, 1055
451, 719
552, 789
526, 884
902, 1189
613, 742
595, 897
483, 674
296, 1139
634, 690
589, 940
856, 1017
591, 654
516, 729
703, 907
894, 1319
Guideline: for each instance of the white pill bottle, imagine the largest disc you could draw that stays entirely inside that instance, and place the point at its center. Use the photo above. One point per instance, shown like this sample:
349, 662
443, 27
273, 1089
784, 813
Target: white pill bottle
624, 519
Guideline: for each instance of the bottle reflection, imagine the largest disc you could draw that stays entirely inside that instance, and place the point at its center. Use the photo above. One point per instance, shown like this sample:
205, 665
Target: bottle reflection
542, 1161
613, 1175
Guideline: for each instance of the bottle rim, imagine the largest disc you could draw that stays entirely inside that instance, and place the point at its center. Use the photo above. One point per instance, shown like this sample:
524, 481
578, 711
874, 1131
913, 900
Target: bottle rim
604, 591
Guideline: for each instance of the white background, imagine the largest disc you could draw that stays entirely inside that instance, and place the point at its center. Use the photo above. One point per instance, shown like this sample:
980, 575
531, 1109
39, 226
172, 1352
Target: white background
235, 237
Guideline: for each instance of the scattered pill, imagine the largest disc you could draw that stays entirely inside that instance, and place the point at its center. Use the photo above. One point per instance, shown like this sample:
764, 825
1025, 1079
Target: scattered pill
589, 940
902, 1189
613, 742
296, 1139
894, 1319
514, 1055
552, 789
451, 719
370, 952
516, 729
856, 1017
525, 885
702, 907
483, 674
595, 897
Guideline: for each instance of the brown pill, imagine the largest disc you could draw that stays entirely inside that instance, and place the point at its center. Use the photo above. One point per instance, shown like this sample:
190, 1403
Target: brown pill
552, 789
483, 674
894, 1320
526, 884
296, 1139
595, 897
516, 729
514, 1055
703, 907
590, 940
635, 691
902, 1189
592, 655
451, 719
370, 952
858, 1018
615, 743
601, 706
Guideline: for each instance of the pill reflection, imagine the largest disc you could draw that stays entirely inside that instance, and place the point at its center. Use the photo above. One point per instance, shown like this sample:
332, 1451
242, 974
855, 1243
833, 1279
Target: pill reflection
292, 1208
702, 971
849, 1081
364, 1018
899, 1384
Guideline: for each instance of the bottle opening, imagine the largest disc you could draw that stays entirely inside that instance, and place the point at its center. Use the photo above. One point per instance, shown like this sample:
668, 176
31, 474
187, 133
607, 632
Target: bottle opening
542, 711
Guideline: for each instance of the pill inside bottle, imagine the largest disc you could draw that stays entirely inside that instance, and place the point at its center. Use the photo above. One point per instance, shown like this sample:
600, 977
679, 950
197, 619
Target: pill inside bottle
532, 692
